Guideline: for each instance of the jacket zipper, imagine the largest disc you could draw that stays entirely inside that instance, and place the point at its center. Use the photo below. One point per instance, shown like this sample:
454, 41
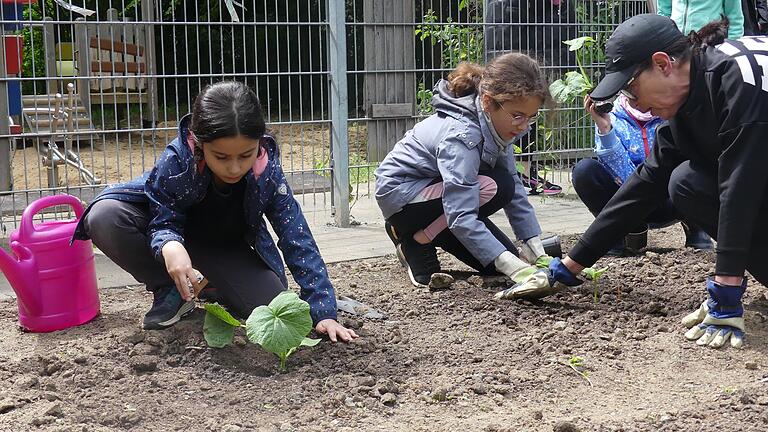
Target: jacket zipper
644, 132
685, 16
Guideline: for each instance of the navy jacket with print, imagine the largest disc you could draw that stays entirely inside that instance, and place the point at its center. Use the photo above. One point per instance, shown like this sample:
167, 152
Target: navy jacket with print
176, 183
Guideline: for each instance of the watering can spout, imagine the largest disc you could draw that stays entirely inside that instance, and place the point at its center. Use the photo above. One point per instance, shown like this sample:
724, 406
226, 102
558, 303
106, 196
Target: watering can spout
22, 275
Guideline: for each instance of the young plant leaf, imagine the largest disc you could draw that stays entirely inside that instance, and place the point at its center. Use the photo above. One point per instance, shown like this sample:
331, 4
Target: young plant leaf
217, 333
219, 312
579, 42
594, 274
309, 342
281, 325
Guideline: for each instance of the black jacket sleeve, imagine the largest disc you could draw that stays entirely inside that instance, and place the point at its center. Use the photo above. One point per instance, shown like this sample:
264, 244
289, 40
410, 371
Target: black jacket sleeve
643, 192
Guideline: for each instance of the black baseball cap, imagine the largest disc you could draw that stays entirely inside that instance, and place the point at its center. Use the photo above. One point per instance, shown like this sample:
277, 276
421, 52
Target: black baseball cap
630, 45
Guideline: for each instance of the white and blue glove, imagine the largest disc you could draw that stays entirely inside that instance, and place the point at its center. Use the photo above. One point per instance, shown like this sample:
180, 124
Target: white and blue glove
542, 283
720, 318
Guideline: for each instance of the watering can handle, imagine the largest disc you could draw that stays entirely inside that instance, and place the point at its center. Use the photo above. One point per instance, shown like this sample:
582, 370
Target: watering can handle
27, 227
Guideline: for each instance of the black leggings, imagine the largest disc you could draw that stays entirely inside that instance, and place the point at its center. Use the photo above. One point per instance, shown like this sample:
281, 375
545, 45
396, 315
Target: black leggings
417, 216
242, 280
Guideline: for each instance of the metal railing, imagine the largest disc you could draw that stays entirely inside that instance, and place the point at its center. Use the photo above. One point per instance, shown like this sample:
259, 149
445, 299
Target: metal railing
340, 82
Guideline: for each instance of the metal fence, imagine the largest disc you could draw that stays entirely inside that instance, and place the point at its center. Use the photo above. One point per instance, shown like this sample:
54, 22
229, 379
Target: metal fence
92, 91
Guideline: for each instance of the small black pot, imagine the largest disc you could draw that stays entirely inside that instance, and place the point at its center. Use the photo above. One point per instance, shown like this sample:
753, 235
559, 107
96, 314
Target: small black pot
552, 246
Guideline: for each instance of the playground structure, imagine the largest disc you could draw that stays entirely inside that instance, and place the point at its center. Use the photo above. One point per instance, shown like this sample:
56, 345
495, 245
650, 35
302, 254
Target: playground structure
97, 65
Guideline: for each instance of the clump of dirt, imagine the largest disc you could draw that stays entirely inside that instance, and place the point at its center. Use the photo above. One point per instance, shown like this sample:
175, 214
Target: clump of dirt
442, 360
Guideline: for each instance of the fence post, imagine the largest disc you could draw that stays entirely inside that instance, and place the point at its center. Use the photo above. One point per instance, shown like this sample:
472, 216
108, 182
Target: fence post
337, 47
5, 129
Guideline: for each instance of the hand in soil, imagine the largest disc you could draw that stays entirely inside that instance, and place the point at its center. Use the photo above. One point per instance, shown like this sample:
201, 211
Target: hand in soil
335, 331
542, 283
179, 267
719, 319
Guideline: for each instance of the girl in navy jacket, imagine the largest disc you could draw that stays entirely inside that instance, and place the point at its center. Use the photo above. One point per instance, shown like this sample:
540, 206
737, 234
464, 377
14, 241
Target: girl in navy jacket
205, 203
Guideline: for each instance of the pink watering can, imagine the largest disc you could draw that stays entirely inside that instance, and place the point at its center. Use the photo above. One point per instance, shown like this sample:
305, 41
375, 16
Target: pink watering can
55, 283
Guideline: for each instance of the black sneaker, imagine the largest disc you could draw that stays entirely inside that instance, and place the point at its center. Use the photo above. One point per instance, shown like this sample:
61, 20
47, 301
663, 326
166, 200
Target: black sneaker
167, 309
421, 261
696, 237
392, 234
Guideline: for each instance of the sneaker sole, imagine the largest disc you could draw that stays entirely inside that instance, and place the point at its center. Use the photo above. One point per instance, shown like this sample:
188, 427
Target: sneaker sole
413, 279
183, 311
401, 257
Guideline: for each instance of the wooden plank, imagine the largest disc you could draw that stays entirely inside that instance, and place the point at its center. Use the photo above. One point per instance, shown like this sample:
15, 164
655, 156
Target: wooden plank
115, 46
390, 110
109, 67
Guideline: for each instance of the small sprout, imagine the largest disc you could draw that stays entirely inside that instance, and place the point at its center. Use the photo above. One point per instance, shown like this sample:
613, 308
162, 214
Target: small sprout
729, 390
577, 363
594, 275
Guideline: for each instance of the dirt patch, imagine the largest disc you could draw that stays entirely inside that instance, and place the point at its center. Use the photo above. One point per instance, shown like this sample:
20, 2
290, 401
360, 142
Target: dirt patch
443, 360
117, 158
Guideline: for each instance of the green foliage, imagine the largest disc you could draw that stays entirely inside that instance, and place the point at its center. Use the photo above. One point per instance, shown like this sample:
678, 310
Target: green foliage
575, 85
424, 100
459, 43
282, 326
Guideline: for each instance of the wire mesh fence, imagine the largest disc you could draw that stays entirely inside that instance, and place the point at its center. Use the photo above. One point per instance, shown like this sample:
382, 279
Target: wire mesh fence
92, 91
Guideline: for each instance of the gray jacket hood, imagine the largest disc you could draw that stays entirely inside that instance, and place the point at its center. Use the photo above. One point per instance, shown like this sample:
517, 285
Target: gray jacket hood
444, 101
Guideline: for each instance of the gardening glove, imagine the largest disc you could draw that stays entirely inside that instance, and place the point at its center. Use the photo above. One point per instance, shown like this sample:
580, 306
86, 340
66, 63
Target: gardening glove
513, 267
532, 249
718, 319
542, 283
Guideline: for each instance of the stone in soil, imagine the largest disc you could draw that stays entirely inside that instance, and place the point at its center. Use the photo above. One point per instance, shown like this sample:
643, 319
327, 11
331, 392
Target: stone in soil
7, 405
388, 399
750, 365
566, 426
144, 364
440, 281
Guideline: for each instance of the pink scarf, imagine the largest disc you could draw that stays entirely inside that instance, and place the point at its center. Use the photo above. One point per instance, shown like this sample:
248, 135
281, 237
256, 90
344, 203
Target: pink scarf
634, 112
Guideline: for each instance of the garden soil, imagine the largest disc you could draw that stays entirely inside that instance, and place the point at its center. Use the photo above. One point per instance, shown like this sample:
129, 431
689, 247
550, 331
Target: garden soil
453, 360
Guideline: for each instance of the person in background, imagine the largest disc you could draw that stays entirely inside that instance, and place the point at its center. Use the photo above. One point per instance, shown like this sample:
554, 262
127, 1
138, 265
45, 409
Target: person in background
623, 139
691, 15
538, 29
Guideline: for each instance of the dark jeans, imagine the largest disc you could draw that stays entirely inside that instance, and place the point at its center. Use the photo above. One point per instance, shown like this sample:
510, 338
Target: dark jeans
695, 194
417, 216
595, 187
242, 280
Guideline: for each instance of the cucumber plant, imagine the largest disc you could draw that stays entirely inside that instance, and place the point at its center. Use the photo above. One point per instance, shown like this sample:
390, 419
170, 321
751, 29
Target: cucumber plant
280, 327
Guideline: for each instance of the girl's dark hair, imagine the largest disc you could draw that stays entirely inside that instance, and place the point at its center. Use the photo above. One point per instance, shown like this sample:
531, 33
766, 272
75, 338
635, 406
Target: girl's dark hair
685, 47
506, 77
226, 109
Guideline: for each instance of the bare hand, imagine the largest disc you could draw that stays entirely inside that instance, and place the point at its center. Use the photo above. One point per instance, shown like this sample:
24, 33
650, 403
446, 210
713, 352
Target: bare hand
603, 121
335, 330
179, 267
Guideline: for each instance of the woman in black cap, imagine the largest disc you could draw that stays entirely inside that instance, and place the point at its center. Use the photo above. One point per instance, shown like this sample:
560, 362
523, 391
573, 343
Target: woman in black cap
711, 158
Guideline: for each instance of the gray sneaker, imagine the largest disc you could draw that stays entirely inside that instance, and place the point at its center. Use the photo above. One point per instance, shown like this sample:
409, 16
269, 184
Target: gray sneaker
167, 309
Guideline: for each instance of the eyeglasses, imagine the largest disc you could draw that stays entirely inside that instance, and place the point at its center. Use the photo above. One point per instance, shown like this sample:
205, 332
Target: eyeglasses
626, 91
518, 118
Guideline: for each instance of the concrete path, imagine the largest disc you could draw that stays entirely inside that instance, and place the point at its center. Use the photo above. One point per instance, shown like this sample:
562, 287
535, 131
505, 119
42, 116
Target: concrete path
367, 239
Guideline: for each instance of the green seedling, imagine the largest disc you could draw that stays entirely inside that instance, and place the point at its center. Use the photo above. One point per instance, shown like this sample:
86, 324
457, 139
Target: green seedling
594, 276
280, 327
577, 364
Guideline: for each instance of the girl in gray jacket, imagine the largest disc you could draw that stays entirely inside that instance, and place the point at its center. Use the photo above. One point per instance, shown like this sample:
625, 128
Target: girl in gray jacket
454, 169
